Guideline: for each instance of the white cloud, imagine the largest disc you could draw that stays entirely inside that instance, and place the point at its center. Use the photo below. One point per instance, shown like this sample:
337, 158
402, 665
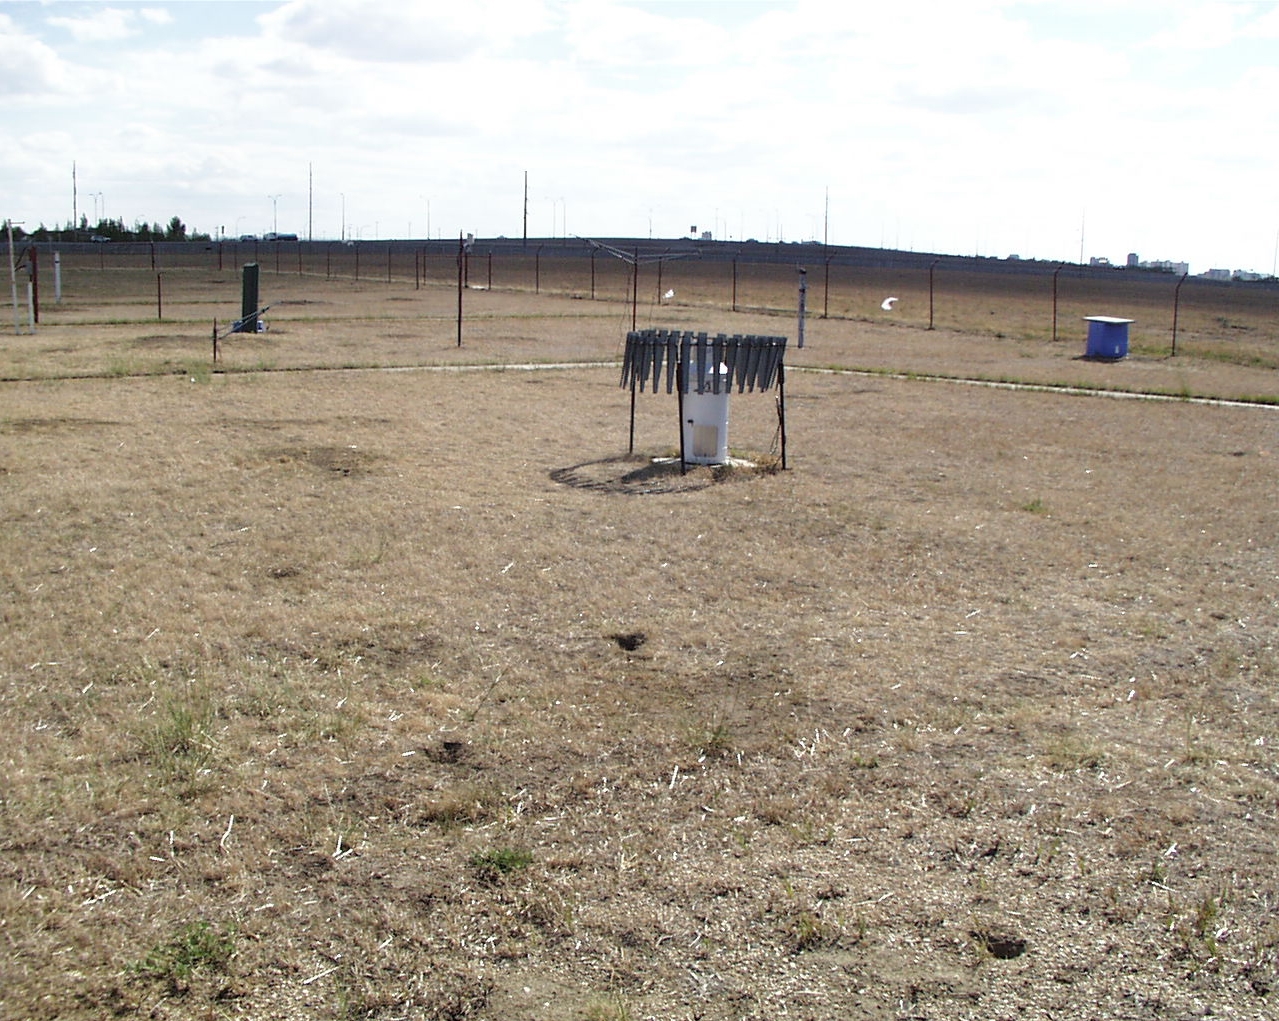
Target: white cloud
105, 24
374, 30
947, 126
28, 67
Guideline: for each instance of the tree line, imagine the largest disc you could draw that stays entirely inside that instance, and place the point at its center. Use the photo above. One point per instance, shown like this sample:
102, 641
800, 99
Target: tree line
111, 230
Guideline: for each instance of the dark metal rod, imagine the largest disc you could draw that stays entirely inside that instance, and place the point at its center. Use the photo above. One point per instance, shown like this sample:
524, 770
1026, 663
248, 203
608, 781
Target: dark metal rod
680, 383
1176, 304
826, 292
631, 448
930, 293
781, 407
1055, 273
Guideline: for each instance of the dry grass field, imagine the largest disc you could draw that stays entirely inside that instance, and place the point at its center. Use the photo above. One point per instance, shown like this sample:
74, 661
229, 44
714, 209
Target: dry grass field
330, 691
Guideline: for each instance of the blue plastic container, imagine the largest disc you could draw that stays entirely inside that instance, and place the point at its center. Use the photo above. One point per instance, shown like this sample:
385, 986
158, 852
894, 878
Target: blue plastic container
1107, 337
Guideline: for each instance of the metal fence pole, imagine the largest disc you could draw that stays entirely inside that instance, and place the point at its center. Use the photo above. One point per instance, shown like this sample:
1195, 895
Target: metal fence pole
1176, 305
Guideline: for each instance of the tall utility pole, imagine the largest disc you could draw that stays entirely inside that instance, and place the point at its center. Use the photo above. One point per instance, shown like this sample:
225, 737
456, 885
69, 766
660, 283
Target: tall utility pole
310, 202
526, 209
75, 208
275, 219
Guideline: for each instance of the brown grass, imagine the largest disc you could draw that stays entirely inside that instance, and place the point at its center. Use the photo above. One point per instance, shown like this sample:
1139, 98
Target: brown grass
375, 694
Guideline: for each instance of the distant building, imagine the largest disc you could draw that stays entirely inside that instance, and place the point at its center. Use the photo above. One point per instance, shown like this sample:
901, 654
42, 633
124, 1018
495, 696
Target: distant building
1217, 274
1098, 260
1165, 266
1133, 261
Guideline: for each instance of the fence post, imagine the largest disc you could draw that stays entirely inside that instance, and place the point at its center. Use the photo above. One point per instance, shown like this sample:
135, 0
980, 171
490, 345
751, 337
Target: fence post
635, 292
931, 266
461, 271
1055, 273
33, 277
826, 291
1176, 304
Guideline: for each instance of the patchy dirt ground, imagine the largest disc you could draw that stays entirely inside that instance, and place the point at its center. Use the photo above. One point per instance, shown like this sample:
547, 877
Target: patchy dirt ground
408, 695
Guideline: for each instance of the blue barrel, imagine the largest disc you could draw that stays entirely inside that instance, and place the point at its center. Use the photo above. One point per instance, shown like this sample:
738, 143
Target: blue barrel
1107, 337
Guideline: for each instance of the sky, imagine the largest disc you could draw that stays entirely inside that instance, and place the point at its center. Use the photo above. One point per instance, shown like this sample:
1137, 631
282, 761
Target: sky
1050, 130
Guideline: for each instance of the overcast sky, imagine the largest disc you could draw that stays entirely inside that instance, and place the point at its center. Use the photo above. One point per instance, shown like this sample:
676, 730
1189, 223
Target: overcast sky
1047, 129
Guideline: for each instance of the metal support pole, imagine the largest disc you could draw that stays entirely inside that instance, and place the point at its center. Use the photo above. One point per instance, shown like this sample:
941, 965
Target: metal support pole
634, 288
631, 448
461, 252
13, 281
1176, 305
1055, 274
679, 387
781, 408
826, 292
931, 266
803, 302
33, 274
